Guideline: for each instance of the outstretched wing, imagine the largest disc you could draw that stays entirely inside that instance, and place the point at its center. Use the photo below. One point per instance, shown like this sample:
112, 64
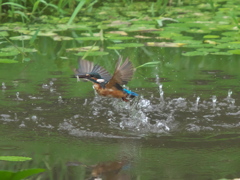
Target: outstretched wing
123, 73
87, 67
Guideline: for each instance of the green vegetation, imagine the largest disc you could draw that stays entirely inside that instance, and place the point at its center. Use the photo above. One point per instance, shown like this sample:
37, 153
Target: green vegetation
18, 175
118, 25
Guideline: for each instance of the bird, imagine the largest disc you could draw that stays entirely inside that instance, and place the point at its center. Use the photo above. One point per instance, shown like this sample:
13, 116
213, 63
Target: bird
103, 82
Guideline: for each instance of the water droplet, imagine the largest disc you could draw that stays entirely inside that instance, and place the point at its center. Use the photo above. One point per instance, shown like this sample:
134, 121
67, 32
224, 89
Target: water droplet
22, 125
51, 83
34, 118
229, 93
3, 86
60, 99
214, 99
45, 86
17, 94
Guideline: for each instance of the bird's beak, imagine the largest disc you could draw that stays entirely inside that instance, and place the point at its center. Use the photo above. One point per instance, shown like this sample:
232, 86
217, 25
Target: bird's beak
81, 76
78, 76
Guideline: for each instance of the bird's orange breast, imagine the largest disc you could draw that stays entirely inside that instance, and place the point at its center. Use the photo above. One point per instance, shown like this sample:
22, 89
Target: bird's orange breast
109, 92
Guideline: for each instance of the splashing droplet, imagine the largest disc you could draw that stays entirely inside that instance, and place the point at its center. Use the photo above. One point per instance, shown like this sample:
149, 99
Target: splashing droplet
60, 99
51, 83
17, 94
214, 99
229, 93
3, 86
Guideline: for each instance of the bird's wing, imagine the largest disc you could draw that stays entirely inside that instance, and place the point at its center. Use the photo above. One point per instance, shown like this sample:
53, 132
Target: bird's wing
123, 73
86, 67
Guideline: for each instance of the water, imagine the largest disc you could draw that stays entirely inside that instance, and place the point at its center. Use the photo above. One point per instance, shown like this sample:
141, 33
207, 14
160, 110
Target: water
184, 124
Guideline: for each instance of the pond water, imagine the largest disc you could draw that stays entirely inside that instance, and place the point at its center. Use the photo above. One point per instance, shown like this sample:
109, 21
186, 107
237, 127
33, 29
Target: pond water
184, 125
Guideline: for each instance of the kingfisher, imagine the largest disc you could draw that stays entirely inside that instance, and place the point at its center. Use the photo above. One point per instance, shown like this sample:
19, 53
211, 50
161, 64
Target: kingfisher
103, 82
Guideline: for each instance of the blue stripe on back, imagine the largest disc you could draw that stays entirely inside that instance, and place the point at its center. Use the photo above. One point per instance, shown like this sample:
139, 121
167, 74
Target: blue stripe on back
130, 92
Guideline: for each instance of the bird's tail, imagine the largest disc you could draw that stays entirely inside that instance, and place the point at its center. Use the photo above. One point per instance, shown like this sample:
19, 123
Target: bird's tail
130, 93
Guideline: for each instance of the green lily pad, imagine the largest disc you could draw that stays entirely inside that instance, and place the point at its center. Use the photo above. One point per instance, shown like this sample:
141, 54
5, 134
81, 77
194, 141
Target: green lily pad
228, 46
164, 44
183, 38
211, 36
208, 49
4, 33
198, 31
17, 50
90, 38
222, 53
120, 38
139, 27
93, 53
91, 35
14, 158
23, 174
230, 33
9, 53
115, 47
86, 48
61, 38
42, 33
166, 34
195, 53
235, 51
130, 45
7, 61
21, 38
122, 33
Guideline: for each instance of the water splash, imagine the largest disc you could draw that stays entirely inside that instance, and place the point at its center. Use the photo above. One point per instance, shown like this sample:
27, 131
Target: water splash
3, 86
60, 100
51, 83
18, 98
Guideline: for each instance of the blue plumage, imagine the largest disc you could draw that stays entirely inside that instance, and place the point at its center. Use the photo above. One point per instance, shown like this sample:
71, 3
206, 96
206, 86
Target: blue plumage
130, 92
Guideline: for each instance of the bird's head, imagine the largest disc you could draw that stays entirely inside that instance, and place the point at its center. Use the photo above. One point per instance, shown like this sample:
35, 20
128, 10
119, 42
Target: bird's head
94, 77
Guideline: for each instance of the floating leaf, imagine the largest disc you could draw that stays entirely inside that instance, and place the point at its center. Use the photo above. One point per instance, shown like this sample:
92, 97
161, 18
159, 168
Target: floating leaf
164, 44
208, 49
210, 42
142, 37
9, 53
211, 36
7, 61
130, 45
43, 33
140, 27
198, 31
14, 158
94, 53
195, 53
90, 38
91, 35
61, 38
115, 47
86, 48
236, 51
222, 53
21, 38
120, 38
19, 175
183, 38
4, 33
14, 49
123, 33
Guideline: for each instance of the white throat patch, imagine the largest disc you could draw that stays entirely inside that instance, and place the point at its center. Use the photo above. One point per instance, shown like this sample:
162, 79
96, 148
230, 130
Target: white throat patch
100, 80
